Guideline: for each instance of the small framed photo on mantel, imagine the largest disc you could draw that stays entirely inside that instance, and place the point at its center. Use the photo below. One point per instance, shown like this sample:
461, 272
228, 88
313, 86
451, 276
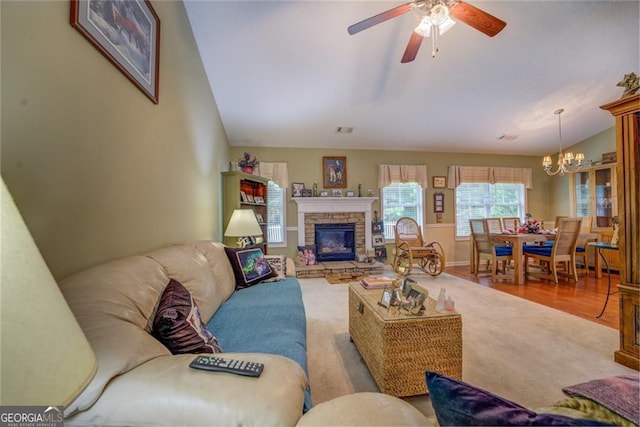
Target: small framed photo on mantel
296, 189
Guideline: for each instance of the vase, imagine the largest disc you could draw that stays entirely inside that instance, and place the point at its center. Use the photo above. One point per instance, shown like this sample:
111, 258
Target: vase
247, 169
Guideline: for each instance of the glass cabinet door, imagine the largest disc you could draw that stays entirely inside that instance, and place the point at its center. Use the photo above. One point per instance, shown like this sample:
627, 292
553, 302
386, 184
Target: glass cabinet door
581, 189
604, 198
593, 194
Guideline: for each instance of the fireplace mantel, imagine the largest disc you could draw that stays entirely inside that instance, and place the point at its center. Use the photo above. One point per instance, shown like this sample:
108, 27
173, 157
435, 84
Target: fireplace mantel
334, 204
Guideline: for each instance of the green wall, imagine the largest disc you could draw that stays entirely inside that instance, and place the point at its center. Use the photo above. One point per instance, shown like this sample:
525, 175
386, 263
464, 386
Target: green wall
548, 198
97, 170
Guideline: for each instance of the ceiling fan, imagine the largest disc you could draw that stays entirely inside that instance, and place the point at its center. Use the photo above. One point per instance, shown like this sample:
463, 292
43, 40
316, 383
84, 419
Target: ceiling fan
435, 19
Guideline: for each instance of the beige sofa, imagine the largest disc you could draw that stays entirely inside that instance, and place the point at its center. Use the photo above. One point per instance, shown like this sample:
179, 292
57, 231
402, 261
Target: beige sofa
139, 382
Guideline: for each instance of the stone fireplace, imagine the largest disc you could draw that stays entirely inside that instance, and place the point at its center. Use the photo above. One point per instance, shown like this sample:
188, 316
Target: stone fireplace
335, 210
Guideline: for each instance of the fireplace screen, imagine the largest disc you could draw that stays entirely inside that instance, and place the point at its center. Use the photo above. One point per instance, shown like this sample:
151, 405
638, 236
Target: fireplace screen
335, 242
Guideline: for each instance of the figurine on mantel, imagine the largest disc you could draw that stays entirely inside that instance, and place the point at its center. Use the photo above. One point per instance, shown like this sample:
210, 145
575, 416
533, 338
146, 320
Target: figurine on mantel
630, 83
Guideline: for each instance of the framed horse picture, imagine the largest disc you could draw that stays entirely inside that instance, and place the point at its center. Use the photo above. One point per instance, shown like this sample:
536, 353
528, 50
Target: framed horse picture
334, 172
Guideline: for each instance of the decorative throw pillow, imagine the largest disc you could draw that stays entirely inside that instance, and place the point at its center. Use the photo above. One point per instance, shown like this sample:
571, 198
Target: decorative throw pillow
457, 403
178, 325
279, 265
249, 266
307, 255
620, 394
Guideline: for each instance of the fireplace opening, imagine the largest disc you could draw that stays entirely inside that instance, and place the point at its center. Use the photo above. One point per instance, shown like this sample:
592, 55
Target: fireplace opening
335, 242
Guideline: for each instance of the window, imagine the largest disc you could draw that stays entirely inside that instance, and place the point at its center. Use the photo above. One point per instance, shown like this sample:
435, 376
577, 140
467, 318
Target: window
484, 200
276, 232
398, 200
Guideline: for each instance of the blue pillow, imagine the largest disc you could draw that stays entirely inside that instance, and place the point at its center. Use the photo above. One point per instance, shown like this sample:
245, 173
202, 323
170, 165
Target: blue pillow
457, 403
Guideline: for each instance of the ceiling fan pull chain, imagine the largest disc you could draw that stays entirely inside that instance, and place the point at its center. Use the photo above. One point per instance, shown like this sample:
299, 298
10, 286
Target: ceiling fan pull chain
434, 40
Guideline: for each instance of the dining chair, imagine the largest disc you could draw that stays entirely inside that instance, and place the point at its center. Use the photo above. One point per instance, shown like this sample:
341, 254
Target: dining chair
511, 223
581, 245
563, 251
484, 246
495, 225
558, 218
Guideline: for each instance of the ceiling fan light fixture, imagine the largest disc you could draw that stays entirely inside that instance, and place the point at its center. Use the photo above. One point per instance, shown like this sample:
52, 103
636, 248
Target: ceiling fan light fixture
424, 27
446, 25
439, 14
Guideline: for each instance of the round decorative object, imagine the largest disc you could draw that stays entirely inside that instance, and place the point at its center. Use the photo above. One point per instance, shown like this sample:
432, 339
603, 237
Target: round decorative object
247, 169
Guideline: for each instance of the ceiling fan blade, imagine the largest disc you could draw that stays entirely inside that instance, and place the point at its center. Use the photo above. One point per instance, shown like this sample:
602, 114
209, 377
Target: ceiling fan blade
412, 47
380, 18
476, 18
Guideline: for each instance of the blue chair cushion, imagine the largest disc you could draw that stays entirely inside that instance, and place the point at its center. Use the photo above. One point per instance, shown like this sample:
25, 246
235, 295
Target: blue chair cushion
503, 250
580, 249
538, 250
549, 242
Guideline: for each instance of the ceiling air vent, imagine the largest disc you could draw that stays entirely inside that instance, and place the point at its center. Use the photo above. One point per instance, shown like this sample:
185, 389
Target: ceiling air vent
344, 129
507, 137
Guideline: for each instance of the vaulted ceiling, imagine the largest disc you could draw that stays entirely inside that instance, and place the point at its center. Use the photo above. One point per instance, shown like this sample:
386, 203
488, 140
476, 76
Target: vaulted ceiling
287, 74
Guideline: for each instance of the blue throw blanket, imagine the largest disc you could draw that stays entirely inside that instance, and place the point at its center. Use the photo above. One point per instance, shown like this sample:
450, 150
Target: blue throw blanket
274, 310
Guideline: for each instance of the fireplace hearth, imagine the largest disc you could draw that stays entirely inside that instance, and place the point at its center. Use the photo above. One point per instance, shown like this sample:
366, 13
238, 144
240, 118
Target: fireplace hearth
335, 242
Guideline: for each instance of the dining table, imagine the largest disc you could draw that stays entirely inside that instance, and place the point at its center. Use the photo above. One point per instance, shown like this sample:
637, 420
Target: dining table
517, 241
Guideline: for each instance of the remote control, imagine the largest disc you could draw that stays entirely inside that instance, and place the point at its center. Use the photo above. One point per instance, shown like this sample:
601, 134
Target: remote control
240, 367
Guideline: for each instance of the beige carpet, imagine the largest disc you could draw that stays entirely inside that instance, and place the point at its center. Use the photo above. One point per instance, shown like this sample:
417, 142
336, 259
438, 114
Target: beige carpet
512, 347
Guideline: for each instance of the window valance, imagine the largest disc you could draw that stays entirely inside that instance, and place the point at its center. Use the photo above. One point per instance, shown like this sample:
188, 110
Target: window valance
402, 173
491, 174
277, 172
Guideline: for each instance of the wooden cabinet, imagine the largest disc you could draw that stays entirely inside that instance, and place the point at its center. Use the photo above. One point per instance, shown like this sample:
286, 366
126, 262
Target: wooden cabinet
244, 191
594, 194
627, 117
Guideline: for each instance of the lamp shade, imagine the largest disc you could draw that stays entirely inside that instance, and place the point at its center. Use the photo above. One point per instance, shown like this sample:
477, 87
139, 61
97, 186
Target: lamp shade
242, 223
45, 358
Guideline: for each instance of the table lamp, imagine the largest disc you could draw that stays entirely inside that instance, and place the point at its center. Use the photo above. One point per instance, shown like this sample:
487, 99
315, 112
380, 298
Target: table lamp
45, 358
243, 223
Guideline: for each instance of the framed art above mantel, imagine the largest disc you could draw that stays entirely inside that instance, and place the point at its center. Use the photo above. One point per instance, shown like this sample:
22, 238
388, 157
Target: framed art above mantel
334, 172
127, 33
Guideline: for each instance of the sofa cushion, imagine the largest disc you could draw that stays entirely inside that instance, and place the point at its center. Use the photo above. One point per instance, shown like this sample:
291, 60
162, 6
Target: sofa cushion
279, 265
113, 303
249, 266
457, 403
178, 324
272, 319
200, 267
363, 409
166, 392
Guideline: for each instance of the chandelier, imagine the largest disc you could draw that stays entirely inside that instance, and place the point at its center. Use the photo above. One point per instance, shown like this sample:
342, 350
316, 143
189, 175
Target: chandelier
436, 22
565, 160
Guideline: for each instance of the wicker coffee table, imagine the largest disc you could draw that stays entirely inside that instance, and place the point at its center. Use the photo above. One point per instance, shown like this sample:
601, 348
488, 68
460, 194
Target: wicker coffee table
399, 347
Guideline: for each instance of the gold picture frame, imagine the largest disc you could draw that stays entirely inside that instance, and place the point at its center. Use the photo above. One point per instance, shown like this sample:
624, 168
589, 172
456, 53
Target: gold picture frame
439, 182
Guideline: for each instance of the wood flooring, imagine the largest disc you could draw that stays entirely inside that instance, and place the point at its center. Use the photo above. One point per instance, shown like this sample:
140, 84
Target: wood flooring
583, 299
